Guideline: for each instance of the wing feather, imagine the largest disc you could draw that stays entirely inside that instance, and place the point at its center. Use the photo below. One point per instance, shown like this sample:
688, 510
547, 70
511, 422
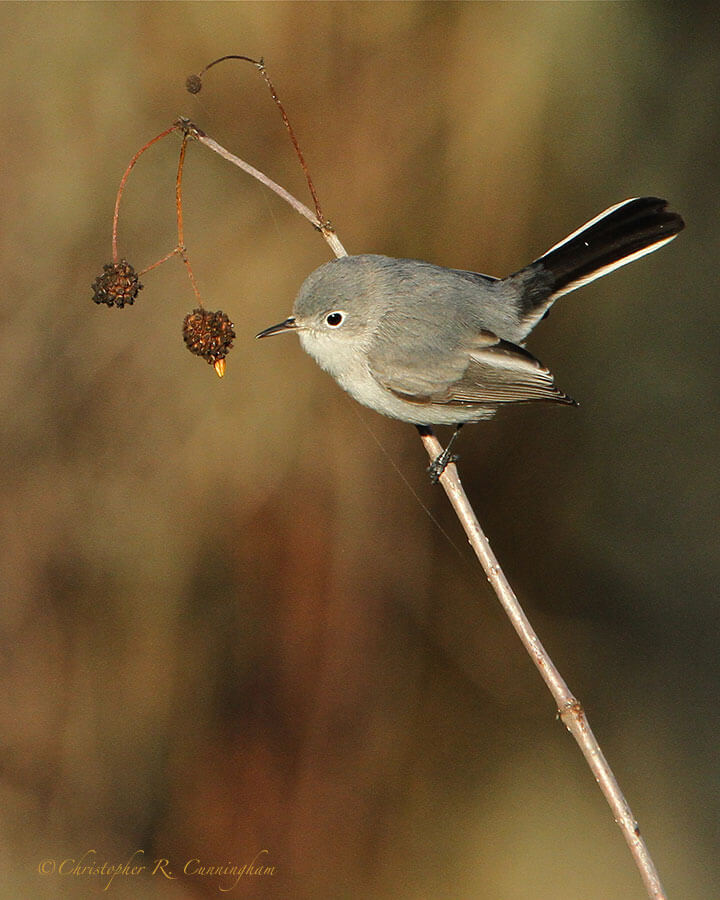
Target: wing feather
484, 371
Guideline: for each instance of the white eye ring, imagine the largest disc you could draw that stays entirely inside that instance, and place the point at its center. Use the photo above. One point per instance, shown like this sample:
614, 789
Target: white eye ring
335, 318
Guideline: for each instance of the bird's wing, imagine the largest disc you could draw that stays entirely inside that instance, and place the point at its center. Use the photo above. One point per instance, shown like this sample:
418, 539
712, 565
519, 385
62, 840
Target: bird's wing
483, 370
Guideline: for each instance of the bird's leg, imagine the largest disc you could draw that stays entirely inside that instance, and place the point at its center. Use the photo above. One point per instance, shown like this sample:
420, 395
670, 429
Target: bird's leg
438, 465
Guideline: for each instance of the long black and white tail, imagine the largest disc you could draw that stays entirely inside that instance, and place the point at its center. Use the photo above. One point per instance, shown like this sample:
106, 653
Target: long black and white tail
616, 237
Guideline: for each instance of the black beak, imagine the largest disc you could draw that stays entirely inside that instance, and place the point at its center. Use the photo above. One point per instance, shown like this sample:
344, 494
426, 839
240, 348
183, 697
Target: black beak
288, 325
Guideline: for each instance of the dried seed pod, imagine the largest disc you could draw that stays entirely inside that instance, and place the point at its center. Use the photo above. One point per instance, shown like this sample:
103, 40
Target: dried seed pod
117, 285
209, 335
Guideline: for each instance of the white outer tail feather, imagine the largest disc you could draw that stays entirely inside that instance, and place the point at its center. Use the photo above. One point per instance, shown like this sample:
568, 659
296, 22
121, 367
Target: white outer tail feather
578, 231
599, 273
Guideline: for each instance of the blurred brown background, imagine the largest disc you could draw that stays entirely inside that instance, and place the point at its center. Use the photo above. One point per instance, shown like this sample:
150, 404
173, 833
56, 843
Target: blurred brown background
227, 622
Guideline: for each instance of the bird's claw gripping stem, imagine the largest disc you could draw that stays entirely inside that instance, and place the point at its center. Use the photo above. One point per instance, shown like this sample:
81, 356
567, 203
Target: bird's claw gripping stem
440, 463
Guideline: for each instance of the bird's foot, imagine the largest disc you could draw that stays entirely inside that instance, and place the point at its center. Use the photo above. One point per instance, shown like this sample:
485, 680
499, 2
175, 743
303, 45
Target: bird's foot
440, 463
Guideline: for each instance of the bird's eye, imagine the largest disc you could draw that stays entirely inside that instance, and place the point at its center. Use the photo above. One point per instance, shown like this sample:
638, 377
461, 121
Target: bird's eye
334, 319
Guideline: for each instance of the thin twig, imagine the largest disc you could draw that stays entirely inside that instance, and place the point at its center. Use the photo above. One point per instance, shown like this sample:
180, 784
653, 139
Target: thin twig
255, 62
132, 162
260, 66
326, 231
569, 708
179, 211
298, 151
159, 262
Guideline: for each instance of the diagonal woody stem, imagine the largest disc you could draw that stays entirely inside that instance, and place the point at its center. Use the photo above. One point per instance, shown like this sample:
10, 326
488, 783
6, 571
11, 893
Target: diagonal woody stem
260, 66
569, 708
323, 227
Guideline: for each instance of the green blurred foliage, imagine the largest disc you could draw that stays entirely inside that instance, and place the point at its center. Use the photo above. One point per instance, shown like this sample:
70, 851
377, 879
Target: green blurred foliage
235, 614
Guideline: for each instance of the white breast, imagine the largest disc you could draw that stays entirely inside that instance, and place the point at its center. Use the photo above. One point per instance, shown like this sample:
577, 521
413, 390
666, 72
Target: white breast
348, 366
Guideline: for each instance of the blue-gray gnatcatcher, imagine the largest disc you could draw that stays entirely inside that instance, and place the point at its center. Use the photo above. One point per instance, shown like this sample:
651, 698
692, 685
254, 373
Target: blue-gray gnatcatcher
437, 346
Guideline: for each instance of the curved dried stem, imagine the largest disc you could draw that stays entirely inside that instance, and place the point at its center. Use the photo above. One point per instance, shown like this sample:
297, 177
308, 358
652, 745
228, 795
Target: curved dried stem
298, 151
220, 59
179, 209
260, 65
121, 188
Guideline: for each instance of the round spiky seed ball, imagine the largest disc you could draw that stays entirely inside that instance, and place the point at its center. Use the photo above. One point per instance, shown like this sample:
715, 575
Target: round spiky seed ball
117, 285
193, 84
209, 335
